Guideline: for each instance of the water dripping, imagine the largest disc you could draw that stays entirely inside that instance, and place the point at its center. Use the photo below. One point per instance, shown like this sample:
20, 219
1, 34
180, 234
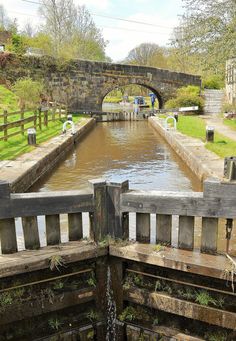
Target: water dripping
111, 310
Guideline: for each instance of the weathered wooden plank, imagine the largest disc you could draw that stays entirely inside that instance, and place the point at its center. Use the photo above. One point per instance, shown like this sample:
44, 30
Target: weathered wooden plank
177, 203
36, 307
125, 225
17, 123
132, 333
209, 235
143, 227
31, 233
53, 234
75, 226
4, 190
213, 188
35, 204
100, 209
163, 228
178, 259
186, 232
28, 261
114, 214
116, 266
187, 309
8, 236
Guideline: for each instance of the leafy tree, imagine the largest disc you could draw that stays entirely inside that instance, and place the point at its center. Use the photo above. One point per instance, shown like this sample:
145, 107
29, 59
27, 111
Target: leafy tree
28, 91
208, 31
72, 30
148, 54
185, 97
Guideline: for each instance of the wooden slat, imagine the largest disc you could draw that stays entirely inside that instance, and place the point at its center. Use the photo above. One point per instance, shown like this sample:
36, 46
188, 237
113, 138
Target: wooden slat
178, 203
35, 204
186, 232
8, 236
17, 123
143, 227
10, 135
209, 235
75, 226
31, 233
53, 234
163, 228
84, 333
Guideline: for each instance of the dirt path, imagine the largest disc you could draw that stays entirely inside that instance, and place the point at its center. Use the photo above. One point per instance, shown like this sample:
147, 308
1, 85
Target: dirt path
220, 127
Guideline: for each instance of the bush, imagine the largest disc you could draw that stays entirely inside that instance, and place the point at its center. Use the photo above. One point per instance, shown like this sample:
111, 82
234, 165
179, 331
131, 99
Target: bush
228, 107
213, 82
188, 96
28, 91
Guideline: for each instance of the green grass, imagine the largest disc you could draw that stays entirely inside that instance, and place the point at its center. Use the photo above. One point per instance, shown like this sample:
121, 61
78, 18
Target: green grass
8, 100
230, 123
195, 127
17, 145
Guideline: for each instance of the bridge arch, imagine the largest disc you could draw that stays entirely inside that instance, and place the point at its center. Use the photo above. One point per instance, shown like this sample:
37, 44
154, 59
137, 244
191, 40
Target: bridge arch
157, 92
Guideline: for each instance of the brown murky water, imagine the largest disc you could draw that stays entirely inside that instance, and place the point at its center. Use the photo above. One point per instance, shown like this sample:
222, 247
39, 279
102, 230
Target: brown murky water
119, 151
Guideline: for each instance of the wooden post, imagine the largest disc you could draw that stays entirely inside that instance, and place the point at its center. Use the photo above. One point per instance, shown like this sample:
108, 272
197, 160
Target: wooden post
5, 122
125, 225
7, 226
209, 235
143, 227
53, 229
40, 118
31, 233
100, 213
45, 113
186, 232
75, 226
22, 114
114, 214
163, 228
35, 119
59, 112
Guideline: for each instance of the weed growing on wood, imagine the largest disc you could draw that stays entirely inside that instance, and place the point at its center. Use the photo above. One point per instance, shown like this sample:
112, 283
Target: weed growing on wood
91, 281
158, 285
90, 335
217, 336
158, 248
54, 323
57, 285
55, 262
6, 299
92, 316
131, 314
204, 298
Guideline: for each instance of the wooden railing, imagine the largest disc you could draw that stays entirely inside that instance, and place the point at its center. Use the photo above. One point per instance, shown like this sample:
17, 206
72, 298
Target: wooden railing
109, 206
36, 117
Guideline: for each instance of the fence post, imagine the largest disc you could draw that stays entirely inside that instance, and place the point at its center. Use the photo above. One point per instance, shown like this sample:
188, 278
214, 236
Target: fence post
5, 122
114, 215
45, 118
22, 114
7, 226
40, 118
99, 220
35, 119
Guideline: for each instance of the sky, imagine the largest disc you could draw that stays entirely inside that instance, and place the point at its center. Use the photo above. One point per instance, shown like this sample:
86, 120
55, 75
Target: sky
121, 36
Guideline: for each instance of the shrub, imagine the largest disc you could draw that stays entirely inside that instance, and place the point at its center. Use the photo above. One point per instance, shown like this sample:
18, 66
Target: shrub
28, 91
186, 97
213, 82
228, 107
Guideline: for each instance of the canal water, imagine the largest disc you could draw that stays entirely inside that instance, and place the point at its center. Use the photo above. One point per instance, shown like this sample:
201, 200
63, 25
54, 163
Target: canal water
119, 151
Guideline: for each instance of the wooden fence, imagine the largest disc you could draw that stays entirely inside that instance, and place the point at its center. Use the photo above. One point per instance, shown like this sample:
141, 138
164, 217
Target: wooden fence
36, 117
109, 206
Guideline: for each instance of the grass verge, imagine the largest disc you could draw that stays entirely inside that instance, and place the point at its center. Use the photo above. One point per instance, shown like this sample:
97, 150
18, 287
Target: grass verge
230, 123
17, 145
194, 126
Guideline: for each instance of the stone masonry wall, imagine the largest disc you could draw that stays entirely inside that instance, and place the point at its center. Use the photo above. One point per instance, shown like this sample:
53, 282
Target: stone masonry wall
84, 84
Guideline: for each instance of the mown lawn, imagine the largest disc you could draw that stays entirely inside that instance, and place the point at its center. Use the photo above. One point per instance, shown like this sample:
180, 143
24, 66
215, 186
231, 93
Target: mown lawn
17, 145
194, 126
230, 123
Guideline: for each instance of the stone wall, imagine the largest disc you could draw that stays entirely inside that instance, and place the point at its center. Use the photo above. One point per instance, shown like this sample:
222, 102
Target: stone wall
84, 84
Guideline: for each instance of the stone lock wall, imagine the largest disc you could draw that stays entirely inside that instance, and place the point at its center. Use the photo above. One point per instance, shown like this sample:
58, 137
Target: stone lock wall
82, 85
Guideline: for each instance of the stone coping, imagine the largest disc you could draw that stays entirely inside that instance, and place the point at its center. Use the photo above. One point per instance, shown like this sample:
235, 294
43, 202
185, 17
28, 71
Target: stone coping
202, 162
28, 168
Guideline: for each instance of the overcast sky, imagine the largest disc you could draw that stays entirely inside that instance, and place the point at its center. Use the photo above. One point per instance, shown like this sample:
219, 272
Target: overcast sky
162, 15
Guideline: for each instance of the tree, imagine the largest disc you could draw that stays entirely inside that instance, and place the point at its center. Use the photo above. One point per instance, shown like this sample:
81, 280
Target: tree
148, 54
6, 24
28, 91
208, 32
72, 30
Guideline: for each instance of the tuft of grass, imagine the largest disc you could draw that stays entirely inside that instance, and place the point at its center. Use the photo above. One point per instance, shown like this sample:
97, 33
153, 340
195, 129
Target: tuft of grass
158, 248
204, 298
54, 323
55, 262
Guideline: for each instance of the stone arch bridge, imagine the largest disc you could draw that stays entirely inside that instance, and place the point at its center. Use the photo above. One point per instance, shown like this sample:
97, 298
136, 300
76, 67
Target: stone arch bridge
82, 85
